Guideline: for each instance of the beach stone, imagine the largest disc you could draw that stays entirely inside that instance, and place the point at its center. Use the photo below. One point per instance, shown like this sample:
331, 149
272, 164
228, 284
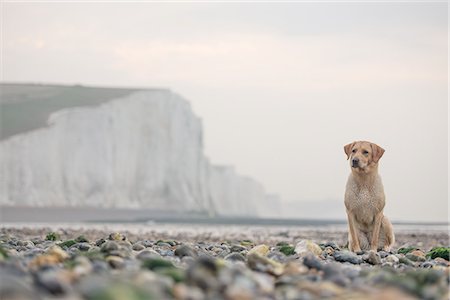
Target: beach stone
109, 246
116, 236
164, 252
235, 256
372, 258
182, 291
260, 249
347, 256
54, 282
428, 264
383, 254
416, 255
169, 243
312, 262
203, 274
261, 263
138, 247
404, 260
115, 262
237, 248
330, 244
306, 246
100, 242
82, 246
15, 287
392, 259
441, 261
185, 250
83, 266
147, 254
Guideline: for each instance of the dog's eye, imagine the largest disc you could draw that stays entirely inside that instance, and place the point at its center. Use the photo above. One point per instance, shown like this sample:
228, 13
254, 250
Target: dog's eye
354, 150
365, 152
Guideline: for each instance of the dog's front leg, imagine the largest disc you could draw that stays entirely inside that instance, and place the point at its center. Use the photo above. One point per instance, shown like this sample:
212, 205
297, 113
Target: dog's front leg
376, 231
354, 246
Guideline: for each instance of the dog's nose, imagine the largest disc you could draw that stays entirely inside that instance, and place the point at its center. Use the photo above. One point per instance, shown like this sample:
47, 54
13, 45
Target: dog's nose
355, 162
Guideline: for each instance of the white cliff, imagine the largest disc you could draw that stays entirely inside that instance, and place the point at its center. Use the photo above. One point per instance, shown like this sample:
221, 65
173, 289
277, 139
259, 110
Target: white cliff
143, 150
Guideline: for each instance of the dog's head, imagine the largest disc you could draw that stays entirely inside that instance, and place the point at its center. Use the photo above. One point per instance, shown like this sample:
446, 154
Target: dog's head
363, 156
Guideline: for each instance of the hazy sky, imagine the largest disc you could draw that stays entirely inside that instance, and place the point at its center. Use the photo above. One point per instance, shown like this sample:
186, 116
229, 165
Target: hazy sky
281, 88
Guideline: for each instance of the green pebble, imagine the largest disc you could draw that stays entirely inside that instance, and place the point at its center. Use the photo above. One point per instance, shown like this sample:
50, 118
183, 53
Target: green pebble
406, 250
436, 252
287, 250
67, 244
52, 236
156, 263
81, 239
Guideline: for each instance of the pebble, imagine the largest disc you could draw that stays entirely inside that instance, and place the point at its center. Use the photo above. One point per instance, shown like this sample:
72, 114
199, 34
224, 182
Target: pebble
347, 256
234, 256
138, 247
372, 258
306, 246
115, 262
259, 249
185, 250
110, 267
392, 259
416, 255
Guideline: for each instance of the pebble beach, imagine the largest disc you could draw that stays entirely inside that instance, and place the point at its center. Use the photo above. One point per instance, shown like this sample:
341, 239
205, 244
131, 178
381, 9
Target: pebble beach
185, 261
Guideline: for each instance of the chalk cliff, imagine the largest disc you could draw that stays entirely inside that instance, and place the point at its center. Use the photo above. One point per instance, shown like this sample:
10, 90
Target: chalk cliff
142, 150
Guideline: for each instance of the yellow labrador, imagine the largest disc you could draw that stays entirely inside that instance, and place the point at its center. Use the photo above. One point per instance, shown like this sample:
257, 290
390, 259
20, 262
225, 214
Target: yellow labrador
369, 229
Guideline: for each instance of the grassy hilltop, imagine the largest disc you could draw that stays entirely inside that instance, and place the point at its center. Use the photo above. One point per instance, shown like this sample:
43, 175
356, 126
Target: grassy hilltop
25, 107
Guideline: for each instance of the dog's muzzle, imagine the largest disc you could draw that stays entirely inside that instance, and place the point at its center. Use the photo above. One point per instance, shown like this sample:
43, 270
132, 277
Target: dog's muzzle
355, 163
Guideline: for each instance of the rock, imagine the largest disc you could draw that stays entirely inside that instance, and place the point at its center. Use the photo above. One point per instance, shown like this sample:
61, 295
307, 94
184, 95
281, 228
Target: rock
169, 243
203, 274
306, 246
83, 266
312, 262
116, 236
287, 250
234, 256
82, 246
330, 244
372, 258
81, 239
67, 244
115, 262
442, 262
148, 254
237, 248
156, 263
15, 287
416, 255
261, 263
185, 250
182, 291
392, 258
54, 282
100, 242
109, 246
260, 249
138, 247
58, 252
406, 261
54, 255
383, 254
347, 256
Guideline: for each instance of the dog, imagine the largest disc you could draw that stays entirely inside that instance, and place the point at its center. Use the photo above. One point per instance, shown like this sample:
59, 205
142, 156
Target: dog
364, 201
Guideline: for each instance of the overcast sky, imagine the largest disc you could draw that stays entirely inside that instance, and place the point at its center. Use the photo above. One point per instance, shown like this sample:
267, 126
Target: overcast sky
281, 88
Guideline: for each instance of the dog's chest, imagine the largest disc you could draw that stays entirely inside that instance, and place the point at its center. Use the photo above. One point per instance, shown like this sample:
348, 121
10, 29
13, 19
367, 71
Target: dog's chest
364, 202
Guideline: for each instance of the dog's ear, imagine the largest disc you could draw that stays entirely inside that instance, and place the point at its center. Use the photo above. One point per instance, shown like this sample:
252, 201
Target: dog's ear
348, 149
377, 152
